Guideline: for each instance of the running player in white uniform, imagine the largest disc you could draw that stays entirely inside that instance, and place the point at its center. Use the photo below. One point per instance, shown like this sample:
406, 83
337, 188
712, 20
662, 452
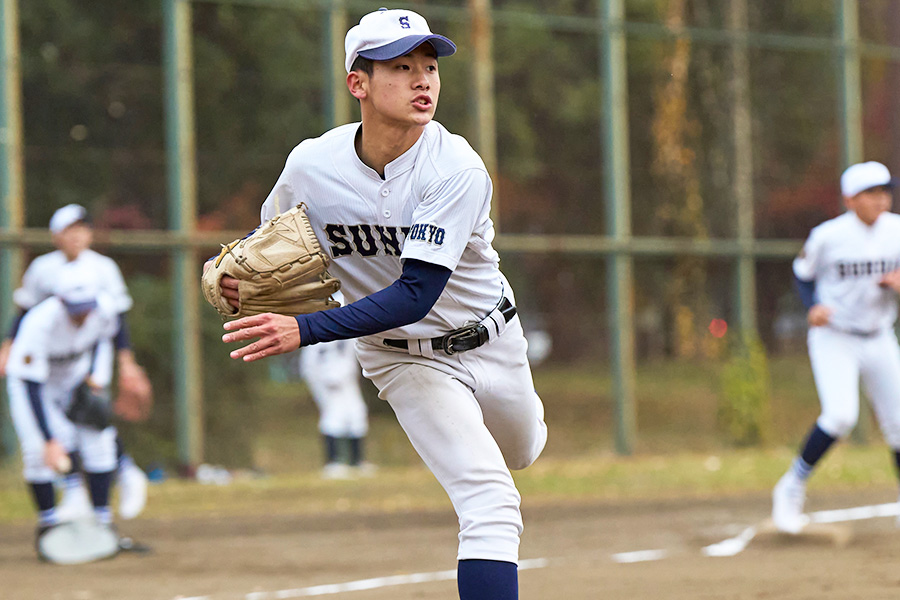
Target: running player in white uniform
848, 276
331, 372
402, 205
60, 343
72, 235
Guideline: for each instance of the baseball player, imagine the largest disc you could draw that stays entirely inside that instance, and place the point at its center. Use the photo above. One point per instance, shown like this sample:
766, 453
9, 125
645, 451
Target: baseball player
72, 236
60, 344
848, 276
331, 372
402, 206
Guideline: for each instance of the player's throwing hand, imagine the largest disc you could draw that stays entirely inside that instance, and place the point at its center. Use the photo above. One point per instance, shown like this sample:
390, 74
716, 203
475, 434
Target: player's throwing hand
276, 334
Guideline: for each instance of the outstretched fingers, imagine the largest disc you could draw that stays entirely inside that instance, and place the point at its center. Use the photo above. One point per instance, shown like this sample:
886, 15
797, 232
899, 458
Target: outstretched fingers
275, 334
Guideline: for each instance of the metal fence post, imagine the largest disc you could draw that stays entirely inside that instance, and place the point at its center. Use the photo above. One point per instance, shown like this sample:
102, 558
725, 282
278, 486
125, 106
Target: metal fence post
13, 184
181, 167
617, 197
742, 188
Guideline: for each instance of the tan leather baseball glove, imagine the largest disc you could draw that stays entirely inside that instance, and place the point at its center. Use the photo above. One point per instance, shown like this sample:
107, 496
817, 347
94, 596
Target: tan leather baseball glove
281, 268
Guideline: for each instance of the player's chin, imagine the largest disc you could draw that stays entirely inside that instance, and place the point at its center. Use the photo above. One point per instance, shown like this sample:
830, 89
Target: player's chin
422, 115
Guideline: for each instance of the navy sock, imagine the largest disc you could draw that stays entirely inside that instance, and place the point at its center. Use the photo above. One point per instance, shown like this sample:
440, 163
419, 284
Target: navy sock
75, 457
817, 444
487, 580
44, 495
99, 484
897, 461
356, 450
120, 449
331, 449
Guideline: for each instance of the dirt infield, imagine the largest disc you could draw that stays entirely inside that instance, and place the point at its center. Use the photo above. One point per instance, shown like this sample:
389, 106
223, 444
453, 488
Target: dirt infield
259, 558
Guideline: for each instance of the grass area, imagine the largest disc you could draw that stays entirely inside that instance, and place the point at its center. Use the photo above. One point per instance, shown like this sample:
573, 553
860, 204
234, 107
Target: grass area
549, 481
679, 452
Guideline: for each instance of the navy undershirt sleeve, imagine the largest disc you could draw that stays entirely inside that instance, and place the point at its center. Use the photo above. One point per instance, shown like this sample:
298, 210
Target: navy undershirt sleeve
37, 407
405, 301
807, 292
17, 320
122, 341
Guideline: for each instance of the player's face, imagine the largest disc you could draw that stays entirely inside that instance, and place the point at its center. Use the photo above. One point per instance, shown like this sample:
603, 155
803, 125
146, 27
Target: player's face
79, 319
869, 204
405, 90
73, 239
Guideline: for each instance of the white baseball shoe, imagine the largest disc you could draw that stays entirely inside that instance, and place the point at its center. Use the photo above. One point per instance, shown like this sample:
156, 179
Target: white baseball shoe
365, 469
788, 499
74, 505
132, 491
335, 470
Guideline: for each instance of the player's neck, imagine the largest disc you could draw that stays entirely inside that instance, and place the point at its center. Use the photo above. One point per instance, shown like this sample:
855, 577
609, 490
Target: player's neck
378, 144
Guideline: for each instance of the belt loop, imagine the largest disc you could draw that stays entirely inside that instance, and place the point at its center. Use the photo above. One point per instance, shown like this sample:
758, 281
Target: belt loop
425, 348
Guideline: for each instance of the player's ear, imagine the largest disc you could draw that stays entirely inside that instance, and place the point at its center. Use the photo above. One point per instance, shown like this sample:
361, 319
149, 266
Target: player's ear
357, 83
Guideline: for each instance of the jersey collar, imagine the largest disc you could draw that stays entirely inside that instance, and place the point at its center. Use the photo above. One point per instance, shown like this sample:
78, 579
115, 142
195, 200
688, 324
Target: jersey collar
396, 167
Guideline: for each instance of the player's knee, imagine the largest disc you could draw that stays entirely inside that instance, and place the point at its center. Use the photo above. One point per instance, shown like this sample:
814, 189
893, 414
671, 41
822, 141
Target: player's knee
526, 455
838, 426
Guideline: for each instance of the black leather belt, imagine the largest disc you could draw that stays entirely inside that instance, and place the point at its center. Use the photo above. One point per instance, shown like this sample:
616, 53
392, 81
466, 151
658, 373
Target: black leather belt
858, 332
464, 338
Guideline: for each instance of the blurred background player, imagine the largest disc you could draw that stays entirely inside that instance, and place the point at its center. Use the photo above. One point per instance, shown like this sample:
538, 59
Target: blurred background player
332, 372
848, 277
60, 344
73, 235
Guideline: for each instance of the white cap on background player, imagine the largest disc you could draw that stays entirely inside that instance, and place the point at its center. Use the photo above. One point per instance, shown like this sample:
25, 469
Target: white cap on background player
863, 176
386, 34
66, 216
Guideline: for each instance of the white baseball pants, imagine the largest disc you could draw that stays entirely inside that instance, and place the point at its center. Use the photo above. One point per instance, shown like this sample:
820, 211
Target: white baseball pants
839, 360
97, 448
472, 417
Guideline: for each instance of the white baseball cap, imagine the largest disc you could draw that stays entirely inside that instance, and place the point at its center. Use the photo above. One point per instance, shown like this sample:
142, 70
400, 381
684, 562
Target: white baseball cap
66, 216
386, 34
863, 176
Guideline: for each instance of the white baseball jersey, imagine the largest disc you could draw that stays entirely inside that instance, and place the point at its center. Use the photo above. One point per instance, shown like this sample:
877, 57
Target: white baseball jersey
847, 258
42, 273
50, 349
433, 205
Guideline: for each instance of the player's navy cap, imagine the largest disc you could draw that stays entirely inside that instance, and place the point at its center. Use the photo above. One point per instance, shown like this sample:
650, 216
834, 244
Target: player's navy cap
386, 34
863, 176
66, 216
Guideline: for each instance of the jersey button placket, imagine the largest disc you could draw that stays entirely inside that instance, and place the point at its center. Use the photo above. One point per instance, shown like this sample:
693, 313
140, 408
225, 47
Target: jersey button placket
385, 212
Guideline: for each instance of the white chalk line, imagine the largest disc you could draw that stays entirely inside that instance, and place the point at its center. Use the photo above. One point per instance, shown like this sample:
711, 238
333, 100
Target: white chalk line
376, 583
729, 547
737, 544
639, 556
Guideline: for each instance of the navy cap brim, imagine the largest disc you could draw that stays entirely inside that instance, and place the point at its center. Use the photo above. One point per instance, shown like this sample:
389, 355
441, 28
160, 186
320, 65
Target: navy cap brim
80, 308
891, 184
442, 46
